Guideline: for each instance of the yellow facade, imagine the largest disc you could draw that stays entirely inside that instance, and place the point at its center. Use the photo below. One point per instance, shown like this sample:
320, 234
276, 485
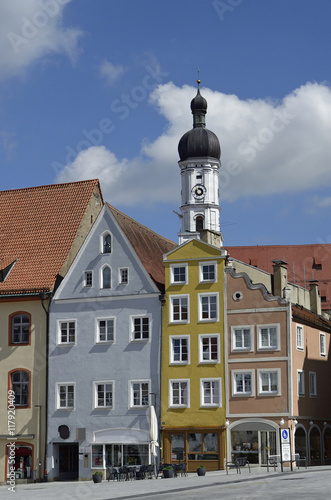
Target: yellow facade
24, 423
199, 415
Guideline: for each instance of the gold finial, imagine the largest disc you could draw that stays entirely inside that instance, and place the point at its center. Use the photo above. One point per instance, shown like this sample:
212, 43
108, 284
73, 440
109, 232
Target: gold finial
198, 80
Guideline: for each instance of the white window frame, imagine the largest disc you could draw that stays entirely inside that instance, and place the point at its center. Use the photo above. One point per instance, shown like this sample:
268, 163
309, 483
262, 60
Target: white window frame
101, 277
312, 387
250, 348
212, 404
269, 347
171, 309
85, 279
209, 361
177, 266
201, 266
59, 336
200, 297
132, 327
269, 371
131, 391
102, 237
301, 382
299, 344
95, 391
171, 349
322, 341
120, 280
97, 329
179, 381
58, 386
244, 394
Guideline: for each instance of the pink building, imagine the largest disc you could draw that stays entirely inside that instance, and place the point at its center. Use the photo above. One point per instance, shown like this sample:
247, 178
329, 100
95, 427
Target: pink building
277, 363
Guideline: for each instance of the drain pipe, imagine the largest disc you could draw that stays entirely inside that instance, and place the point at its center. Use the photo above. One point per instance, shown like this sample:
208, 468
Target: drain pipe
43, 297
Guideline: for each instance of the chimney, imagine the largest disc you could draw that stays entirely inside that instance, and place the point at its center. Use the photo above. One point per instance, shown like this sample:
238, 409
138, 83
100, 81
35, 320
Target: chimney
315, 299
280, 277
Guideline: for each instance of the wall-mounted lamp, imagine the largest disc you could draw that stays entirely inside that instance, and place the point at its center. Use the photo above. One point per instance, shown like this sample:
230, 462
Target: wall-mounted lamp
325, 423
295, 421
311, 422
282, 421
227, 423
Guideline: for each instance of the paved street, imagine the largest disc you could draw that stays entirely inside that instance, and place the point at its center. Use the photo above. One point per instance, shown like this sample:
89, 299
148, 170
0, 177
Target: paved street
311, 483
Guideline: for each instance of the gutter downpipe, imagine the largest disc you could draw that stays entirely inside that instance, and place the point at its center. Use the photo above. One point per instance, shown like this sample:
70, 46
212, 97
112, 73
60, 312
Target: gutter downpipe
43, 296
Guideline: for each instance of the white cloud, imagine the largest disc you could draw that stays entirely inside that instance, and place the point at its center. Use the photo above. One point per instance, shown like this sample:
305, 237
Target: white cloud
111, 72
267, 147
32, 29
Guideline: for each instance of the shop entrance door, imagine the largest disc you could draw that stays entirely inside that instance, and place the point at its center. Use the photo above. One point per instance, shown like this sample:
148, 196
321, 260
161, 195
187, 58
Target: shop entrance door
68, 462
268, 445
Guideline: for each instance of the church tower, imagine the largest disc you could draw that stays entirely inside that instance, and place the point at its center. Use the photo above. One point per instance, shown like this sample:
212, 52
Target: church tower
200, 152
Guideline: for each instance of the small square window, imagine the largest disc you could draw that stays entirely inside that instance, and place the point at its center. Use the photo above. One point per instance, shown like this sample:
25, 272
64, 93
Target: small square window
88, 279
67, 332
210, 392
66, 396
242, 383
269, 382
208, 307
207, 272
179, 309
124, 275
179, 393
180, 350
241, 338
103, 394
268, 337
209, 348
105, 330
140, 328
178, 274
139, 394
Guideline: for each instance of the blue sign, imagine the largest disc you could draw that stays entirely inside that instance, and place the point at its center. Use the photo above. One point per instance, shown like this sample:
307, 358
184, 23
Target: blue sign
284, 434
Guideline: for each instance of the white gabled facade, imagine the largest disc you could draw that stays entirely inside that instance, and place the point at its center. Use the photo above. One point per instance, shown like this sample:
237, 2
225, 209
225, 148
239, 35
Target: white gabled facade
104, 358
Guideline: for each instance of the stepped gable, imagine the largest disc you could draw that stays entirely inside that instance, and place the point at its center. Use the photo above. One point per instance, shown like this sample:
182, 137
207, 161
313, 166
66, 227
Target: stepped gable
38, 227
148, 245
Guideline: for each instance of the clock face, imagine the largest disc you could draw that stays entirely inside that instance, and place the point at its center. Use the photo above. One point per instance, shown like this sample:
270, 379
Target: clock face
199, 191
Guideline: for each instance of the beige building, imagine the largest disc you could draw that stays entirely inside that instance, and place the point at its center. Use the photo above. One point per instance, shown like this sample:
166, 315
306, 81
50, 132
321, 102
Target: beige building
42, 229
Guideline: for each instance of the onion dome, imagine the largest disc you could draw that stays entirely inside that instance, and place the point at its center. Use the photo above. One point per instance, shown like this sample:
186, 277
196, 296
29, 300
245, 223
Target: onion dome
199, 142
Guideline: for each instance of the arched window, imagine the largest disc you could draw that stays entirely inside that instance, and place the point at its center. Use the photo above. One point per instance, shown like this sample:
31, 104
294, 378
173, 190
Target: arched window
19, 328
106, 277
106, 243
20, 383
199, 223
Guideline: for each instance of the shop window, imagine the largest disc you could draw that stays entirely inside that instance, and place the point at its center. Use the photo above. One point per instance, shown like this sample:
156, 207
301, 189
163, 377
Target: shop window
202, 446
23, 457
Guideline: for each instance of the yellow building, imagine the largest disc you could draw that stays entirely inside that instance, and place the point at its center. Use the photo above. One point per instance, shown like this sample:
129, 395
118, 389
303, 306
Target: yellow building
192, 370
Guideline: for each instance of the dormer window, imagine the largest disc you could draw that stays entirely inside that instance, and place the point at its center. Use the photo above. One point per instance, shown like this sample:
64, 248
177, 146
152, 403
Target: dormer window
106, 243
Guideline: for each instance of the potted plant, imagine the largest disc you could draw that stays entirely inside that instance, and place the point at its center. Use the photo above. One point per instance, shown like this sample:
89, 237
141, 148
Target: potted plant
97, 477
201, 470
168, 472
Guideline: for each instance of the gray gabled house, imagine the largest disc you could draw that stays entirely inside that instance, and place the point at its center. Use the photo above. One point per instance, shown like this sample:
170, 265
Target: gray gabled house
104, 350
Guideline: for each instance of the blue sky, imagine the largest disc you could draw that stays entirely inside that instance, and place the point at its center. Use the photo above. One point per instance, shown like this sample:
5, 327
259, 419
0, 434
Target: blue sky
102, 89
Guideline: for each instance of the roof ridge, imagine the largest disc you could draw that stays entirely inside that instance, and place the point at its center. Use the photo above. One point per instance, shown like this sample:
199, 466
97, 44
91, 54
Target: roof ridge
139, 223
55, 185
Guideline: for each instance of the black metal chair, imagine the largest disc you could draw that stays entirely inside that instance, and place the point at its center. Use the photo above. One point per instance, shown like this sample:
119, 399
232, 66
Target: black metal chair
112, 473
237, 464
141, 473
150, 471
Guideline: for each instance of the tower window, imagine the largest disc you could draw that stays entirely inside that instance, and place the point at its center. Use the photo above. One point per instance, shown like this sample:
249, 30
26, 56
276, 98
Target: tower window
199, 223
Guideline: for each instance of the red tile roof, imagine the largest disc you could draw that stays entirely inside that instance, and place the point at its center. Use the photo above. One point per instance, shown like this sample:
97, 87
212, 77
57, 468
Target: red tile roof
38, 226
149, 246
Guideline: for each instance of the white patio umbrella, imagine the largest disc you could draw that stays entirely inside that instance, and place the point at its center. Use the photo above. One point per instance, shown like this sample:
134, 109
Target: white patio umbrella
153, 430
